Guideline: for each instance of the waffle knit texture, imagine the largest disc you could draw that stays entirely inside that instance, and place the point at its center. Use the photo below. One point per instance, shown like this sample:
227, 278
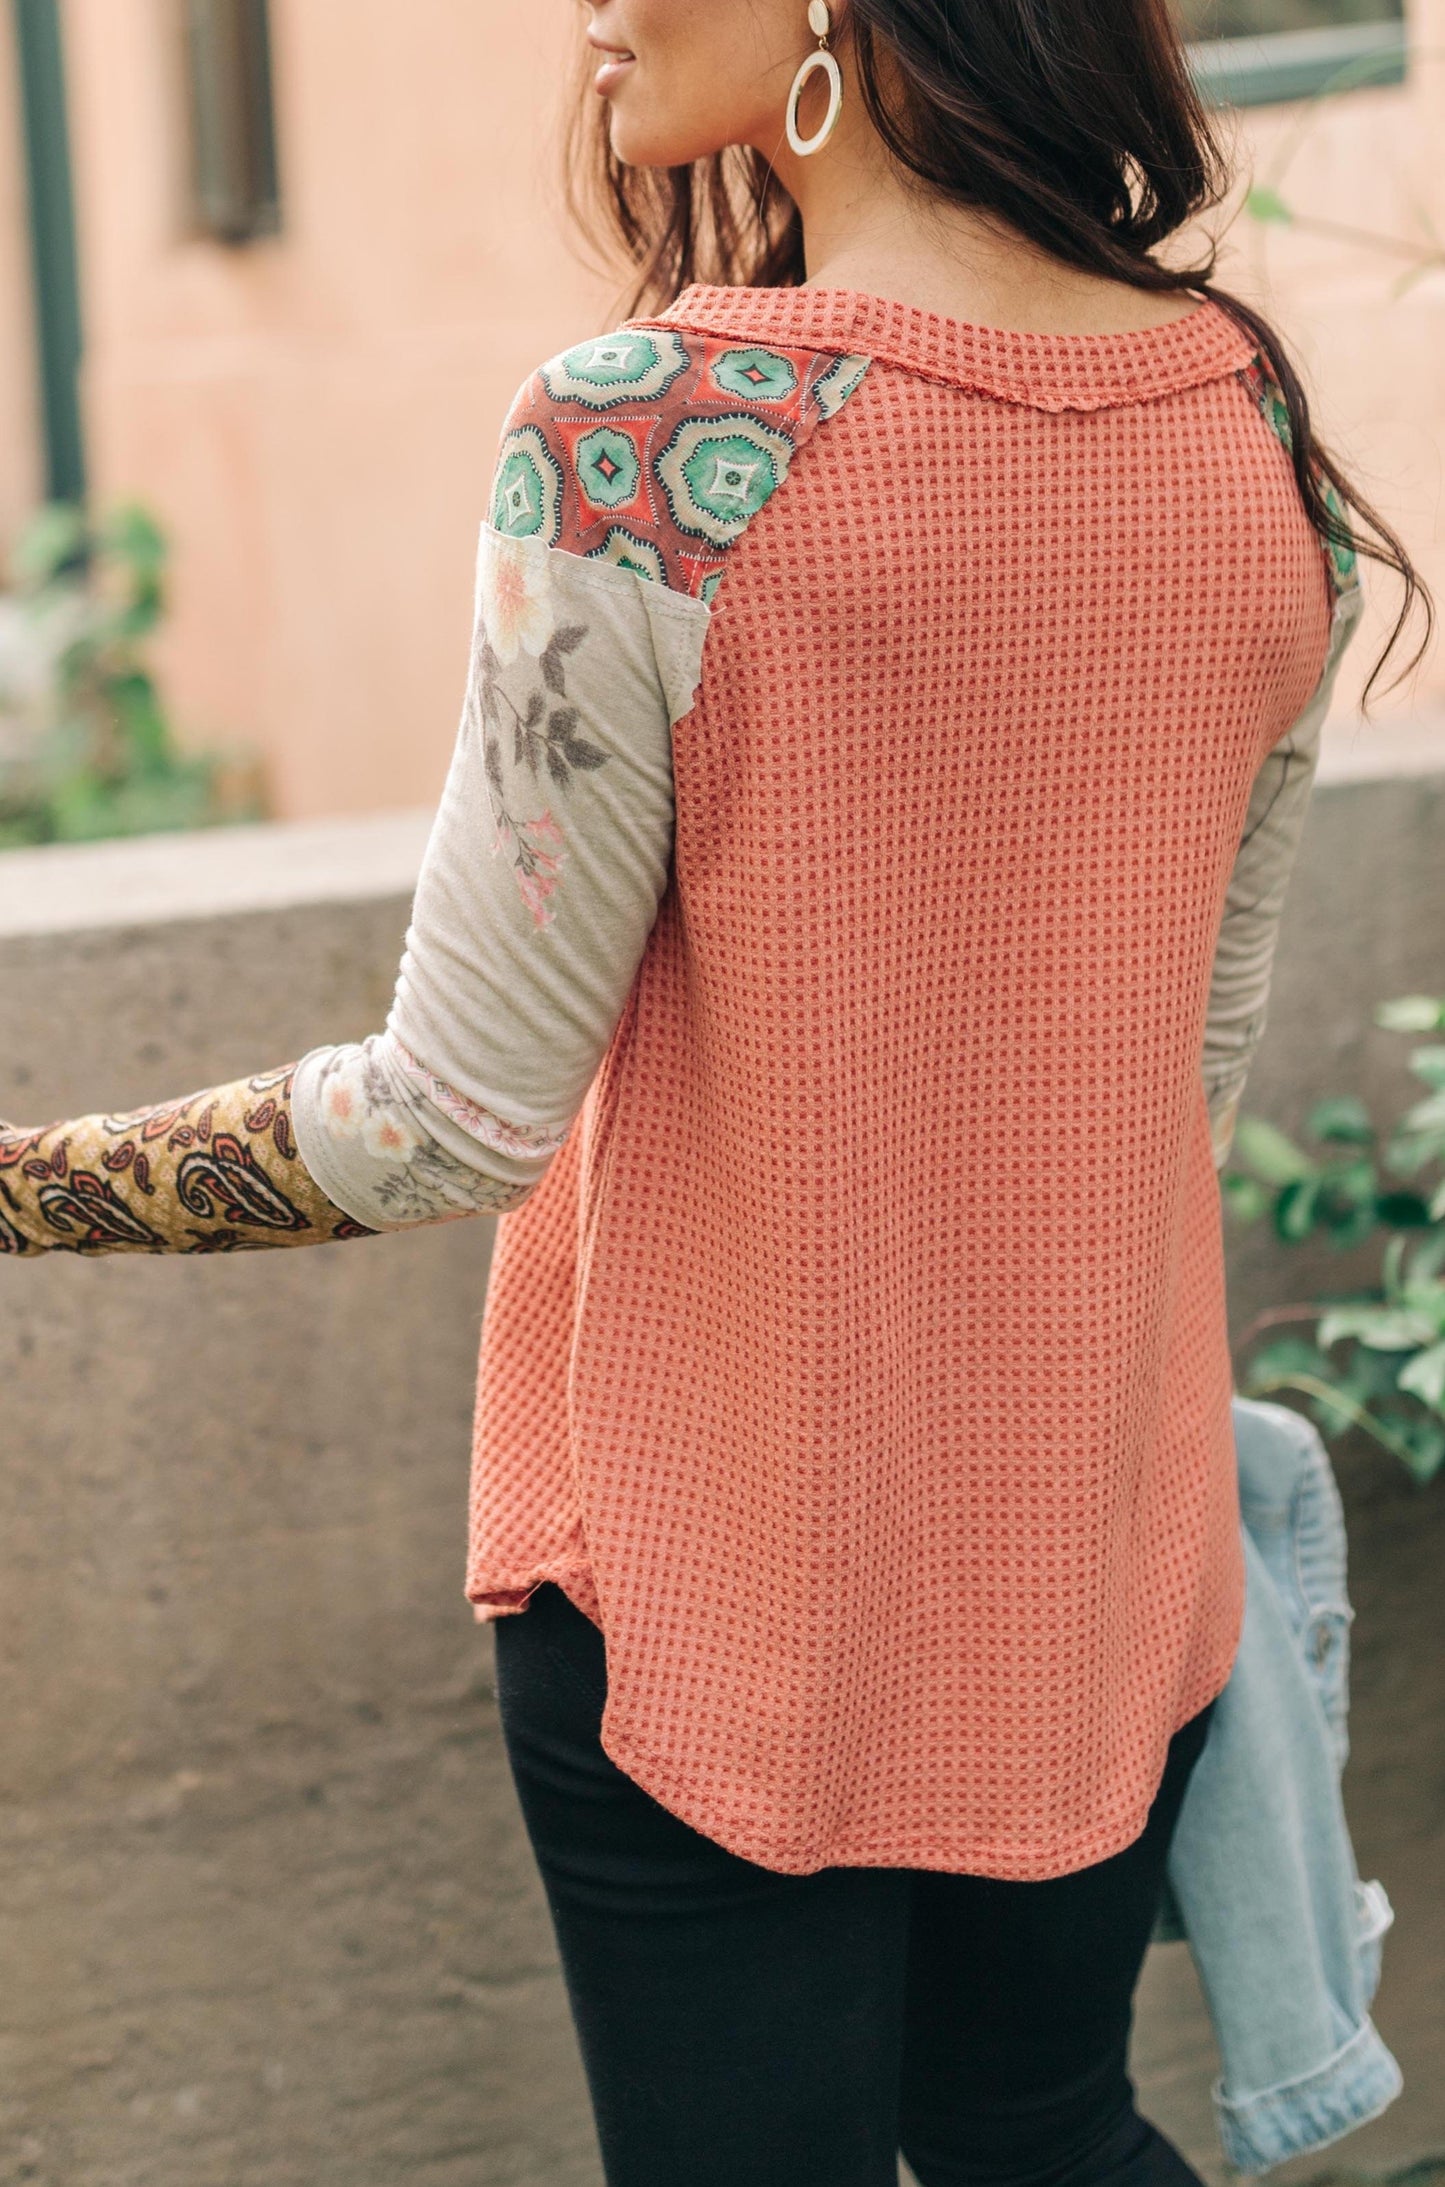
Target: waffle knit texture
860, 1364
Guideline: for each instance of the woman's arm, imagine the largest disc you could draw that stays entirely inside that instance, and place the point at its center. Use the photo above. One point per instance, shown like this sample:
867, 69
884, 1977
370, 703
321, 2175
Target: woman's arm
217, 1172
1244, 959
541, 881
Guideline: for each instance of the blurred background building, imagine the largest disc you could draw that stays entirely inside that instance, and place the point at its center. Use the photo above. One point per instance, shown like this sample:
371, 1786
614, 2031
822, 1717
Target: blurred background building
276, 270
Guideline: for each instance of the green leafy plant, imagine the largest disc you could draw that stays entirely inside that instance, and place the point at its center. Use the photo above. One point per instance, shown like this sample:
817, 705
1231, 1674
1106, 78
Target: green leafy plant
1388, 1377
86, 748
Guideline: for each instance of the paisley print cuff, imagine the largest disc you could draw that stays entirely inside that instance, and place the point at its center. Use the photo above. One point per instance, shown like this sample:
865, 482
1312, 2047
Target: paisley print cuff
218, 1172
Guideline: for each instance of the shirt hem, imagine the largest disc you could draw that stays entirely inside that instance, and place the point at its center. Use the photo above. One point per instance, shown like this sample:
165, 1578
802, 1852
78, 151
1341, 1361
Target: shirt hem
501, 1600
675, 1790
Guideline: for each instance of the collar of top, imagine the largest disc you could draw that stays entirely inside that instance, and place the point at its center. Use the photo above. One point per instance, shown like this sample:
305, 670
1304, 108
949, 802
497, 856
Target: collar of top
1045, 371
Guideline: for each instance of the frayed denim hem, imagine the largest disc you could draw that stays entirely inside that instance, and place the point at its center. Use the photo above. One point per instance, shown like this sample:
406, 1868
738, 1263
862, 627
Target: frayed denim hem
1359, 2082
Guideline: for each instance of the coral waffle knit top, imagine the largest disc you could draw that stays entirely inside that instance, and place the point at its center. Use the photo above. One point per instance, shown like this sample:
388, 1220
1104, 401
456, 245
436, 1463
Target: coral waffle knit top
860, 1364
838, 956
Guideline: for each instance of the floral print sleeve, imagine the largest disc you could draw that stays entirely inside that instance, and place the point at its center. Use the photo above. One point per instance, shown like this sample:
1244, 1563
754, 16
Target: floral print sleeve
1274, 824
539, 886
629, 467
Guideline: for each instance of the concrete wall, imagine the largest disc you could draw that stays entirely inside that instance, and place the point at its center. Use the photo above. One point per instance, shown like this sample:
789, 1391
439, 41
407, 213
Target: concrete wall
264, 1916
20, 478
267, 1914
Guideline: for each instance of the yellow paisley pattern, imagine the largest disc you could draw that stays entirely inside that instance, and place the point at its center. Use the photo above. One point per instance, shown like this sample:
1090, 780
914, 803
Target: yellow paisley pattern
217, 1172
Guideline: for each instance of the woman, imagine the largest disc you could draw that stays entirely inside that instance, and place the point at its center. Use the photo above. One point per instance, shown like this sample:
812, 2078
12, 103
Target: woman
898, 668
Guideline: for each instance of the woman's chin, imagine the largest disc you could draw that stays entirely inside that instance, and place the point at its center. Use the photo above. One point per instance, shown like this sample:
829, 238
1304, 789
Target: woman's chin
637, 140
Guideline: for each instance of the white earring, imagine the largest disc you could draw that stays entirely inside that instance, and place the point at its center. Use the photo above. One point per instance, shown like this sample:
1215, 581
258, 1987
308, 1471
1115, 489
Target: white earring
820, 22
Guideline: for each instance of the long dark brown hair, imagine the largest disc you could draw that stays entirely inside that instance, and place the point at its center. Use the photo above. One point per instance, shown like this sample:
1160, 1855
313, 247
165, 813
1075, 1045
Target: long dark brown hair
1075, 121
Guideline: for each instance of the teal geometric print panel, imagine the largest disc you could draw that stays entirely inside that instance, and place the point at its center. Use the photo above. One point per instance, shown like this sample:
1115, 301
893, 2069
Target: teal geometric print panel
620, 368
609, 467
718, 472
1341, 559
630, 551
654, 447
527, 496
762, 373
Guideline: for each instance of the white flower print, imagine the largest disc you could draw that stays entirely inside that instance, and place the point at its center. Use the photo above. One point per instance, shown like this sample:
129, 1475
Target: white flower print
415, 1179
534, 704
357, 1102
388, 1136
514, 589
343, 1095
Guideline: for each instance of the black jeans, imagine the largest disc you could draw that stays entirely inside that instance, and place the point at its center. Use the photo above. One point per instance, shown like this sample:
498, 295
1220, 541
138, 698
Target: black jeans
741, 2028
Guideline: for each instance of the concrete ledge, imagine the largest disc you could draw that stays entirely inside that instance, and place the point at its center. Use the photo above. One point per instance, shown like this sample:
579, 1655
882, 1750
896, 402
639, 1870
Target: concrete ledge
290, 865
212, 873
267, 1912
1393, 748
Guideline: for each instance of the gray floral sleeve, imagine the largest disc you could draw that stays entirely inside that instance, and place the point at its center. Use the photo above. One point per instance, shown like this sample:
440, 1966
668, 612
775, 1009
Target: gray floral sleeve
1264, 862
541, 881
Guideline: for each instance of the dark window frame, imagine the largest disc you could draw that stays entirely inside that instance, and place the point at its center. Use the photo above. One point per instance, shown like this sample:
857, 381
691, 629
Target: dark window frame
235, 186
1297, 64
40, 51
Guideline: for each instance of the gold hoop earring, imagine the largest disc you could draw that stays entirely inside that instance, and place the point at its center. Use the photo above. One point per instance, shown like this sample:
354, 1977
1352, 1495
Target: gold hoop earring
821, 22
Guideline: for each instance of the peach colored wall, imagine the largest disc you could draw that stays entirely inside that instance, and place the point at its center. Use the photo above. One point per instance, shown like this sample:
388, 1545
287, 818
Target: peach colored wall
1374, 360
315, 417
19, 423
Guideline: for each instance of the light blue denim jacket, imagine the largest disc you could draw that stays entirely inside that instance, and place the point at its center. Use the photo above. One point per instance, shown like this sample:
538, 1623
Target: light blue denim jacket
1262, 1881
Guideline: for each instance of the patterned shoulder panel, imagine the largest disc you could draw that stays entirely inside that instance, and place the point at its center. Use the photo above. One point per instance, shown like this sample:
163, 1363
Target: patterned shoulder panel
1341, 560
655, 447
